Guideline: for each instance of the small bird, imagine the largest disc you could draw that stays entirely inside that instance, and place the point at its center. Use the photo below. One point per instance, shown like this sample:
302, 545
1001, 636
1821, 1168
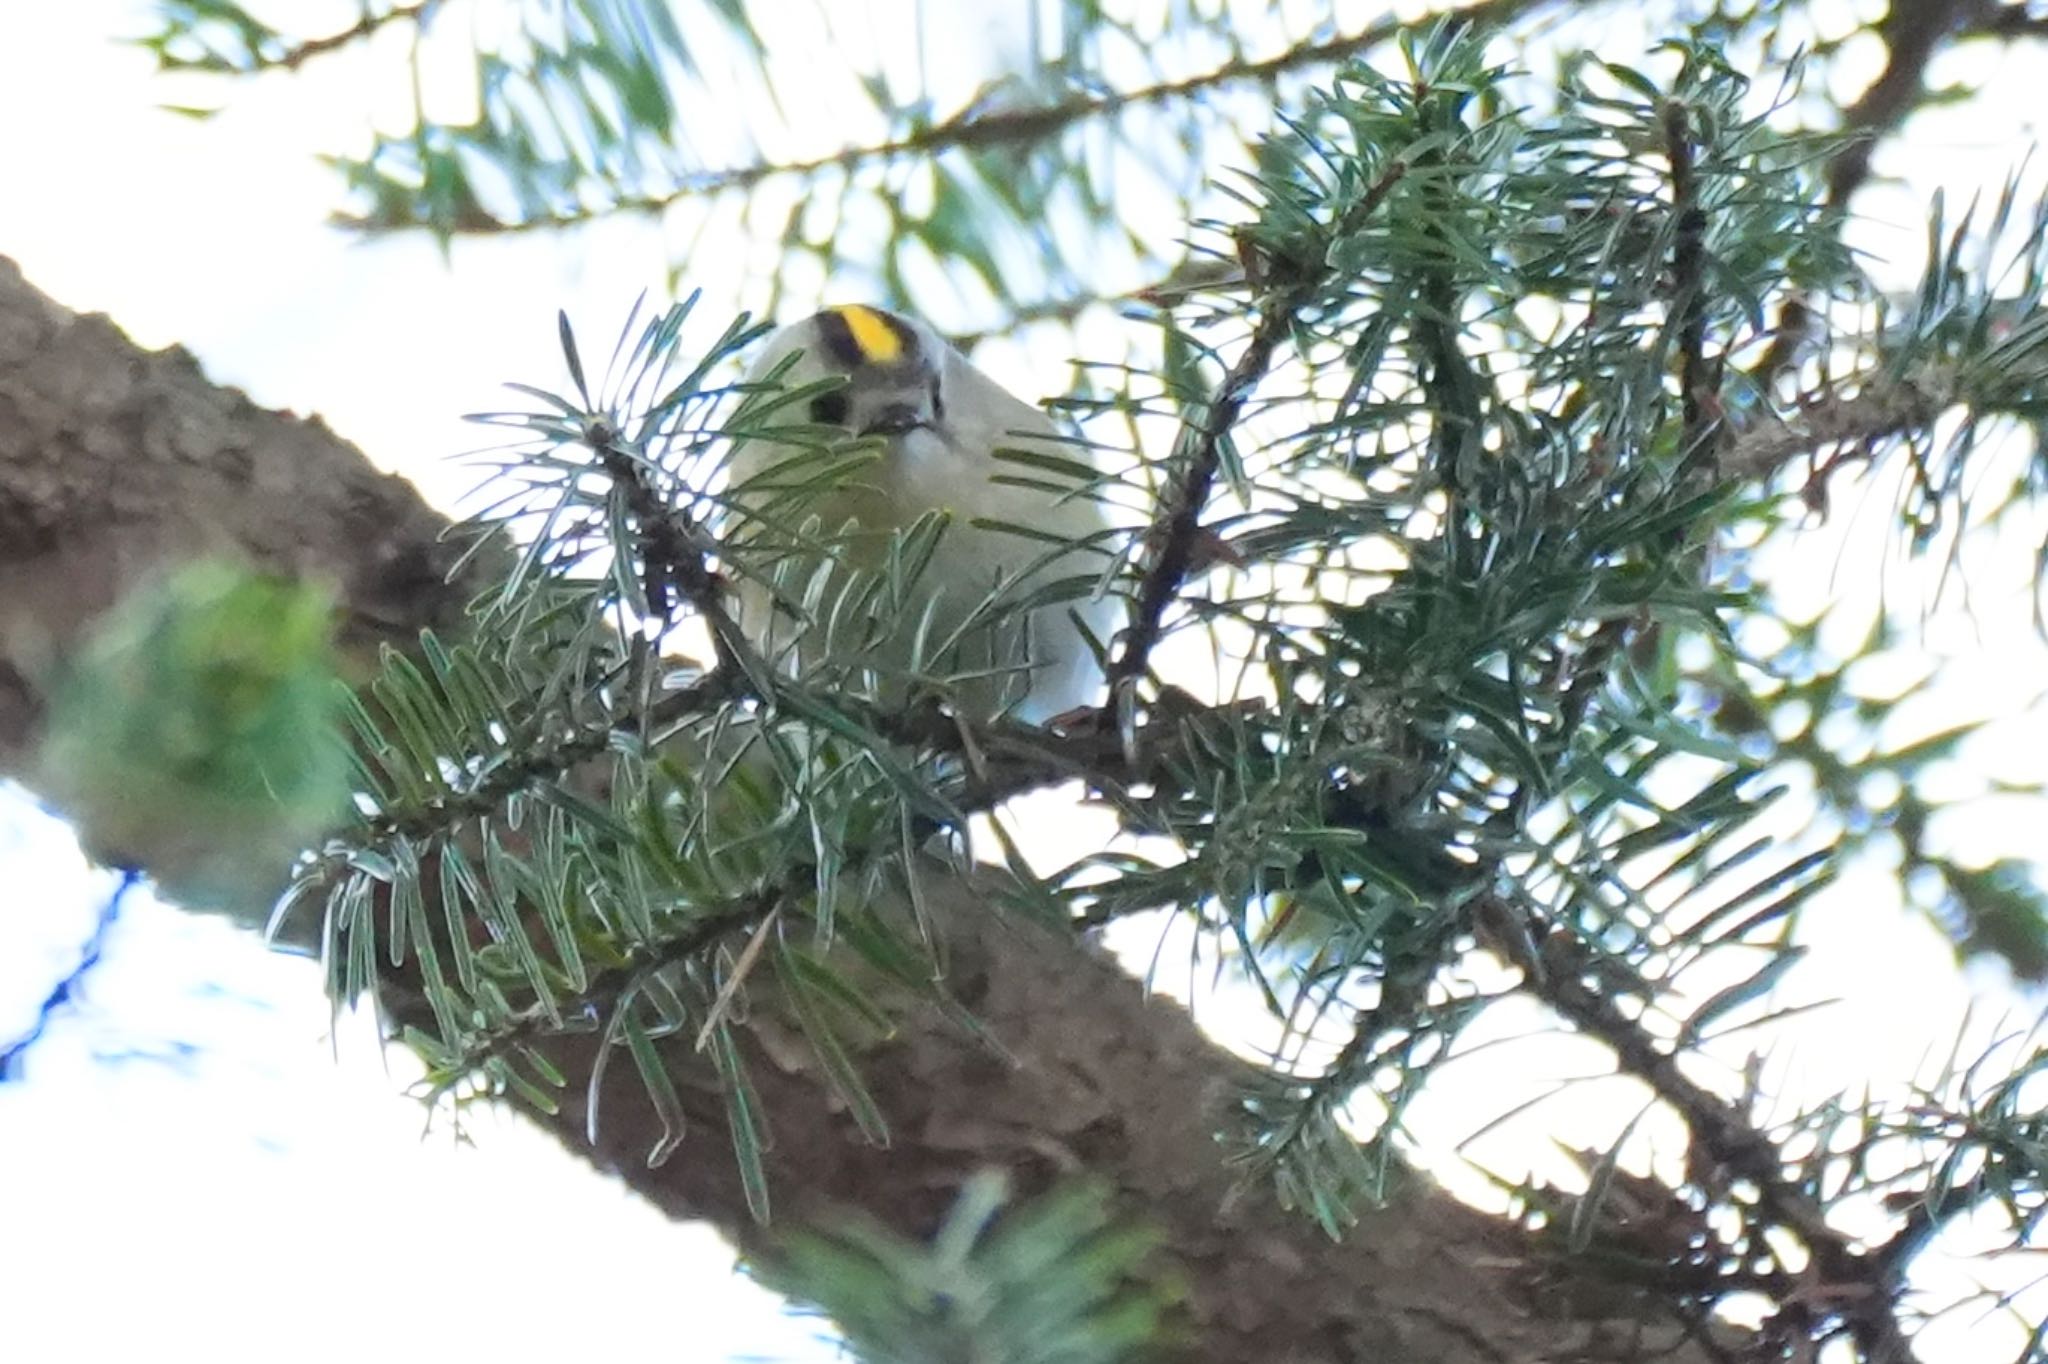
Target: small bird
932, 424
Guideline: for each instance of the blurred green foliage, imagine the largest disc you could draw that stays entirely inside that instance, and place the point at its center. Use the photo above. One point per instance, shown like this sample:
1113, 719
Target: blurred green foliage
198, 726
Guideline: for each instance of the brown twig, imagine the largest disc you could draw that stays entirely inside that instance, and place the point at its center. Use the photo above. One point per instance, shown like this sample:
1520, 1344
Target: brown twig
676, 559
1911, 33
1699, 405
300, 53
1177, 524
1699, 408
610, 986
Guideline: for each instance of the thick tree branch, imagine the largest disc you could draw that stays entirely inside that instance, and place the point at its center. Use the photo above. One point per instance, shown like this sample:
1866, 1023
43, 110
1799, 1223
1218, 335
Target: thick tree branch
115, 463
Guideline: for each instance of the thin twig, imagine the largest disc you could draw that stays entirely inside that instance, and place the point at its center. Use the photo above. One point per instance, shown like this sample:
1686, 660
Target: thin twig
1178, 522
300, 53
1992, 19
1699, 400
1699, 405
1699, 408
1177, 525
677, 551
607, 987
744, 967
1911, 33
1452, 389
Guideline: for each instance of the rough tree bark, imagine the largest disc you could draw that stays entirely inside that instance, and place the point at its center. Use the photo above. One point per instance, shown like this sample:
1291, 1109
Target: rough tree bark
114, 461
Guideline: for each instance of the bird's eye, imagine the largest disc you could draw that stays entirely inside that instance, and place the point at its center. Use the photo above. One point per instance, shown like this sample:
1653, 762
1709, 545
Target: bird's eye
938, 402
829, 409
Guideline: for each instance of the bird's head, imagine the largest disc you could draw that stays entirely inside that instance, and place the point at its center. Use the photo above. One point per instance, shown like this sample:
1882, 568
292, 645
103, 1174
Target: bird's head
893, 370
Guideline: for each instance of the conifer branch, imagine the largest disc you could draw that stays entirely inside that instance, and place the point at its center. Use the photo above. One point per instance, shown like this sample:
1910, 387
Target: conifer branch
1861, 1288
973, 130
1885, 408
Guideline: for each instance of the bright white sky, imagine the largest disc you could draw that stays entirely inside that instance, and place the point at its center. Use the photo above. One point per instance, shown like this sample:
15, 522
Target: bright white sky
182, 1161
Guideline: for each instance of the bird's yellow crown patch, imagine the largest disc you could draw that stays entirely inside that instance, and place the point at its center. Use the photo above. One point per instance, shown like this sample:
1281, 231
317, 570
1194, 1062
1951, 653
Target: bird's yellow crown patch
879, 340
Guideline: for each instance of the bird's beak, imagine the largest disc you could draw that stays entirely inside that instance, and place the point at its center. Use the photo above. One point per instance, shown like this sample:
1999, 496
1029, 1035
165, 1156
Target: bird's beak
895, 419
